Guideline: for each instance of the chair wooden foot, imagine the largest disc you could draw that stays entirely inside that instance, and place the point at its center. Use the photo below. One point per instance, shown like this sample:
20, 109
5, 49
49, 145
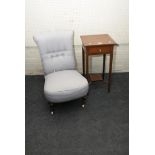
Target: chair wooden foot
51, 108
84, 101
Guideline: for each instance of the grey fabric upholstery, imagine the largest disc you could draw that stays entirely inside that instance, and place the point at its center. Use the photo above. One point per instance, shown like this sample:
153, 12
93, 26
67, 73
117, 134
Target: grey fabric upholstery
64, 86
56, 50
62, 81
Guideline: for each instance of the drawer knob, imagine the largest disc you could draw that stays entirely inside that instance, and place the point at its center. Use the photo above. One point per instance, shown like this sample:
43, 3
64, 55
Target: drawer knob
99, 50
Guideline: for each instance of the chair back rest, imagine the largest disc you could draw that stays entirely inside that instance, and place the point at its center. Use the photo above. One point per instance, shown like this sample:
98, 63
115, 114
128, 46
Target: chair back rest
56, 51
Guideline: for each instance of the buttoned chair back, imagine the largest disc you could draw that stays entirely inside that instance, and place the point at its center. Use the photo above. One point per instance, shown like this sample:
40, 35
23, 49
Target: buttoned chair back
56, 51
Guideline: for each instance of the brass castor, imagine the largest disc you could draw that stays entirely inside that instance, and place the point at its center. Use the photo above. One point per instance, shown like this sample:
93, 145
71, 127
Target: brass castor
83, 105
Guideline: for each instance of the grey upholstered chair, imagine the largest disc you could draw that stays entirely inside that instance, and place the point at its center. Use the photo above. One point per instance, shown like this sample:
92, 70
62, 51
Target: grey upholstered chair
62, 81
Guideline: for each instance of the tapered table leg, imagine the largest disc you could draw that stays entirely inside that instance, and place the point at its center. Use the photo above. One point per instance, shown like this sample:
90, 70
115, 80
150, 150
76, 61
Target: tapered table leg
104, 58
87, 68
83, 61
110, 71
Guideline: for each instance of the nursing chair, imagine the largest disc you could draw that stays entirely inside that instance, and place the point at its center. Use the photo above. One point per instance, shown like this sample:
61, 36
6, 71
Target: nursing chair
63, 82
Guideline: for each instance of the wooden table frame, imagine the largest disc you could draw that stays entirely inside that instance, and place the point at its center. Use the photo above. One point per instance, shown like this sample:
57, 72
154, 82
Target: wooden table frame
97, 49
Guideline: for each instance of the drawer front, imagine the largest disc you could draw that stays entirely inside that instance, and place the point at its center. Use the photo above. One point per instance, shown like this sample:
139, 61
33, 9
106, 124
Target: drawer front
99, 49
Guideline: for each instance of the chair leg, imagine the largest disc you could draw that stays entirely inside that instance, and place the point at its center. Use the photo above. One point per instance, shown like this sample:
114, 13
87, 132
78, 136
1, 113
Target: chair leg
84, 101
51, 108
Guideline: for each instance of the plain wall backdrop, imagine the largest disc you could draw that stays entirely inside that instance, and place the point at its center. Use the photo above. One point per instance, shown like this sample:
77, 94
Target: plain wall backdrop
84, 17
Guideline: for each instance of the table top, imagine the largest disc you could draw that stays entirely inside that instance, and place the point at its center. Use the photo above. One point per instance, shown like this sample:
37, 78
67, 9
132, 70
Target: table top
100, 39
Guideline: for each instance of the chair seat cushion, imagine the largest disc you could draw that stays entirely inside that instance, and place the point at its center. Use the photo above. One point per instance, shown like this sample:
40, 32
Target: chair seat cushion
64, 86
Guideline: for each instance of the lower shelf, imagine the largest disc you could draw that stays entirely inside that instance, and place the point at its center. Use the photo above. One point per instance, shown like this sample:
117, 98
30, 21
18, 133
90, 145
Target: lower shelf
95, 77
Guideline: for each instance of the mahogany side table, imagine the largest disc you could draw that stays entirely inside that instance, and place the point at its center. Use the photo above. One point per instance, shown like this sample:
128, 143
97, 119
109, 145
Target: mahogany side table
101, 44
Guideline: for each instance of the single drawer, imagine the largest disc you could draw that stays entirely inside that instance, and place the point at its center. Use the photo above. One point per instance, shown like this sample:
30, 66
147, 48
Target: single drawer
99, 49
